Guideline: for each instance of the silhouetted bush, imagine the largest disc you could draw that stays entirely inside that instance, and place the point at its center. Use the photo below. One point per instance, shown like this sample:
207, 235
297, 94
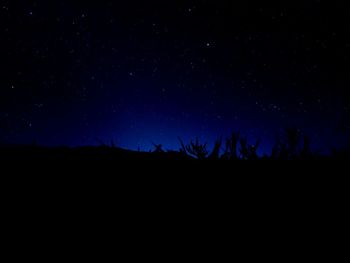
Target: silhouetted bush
195, 149
158, 148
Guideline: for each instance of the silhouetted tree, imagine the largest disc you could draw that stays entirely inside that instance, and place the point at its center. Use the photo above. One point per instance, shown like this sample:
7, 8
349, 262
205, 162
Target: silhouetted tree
306, 149
215, 154
293, 139
247, 151
231, 145
290, 146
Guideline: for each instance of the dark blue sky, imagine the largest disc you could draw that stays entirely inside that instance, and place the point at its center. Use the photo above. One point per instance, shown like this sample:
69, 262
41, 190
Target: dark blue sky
146, 71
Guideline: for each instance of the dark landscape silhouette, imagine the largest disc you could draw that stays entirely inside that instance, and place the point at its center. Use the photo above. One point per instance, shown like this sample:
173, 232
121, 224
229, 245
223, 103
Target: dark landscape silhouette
291, 145
171, 80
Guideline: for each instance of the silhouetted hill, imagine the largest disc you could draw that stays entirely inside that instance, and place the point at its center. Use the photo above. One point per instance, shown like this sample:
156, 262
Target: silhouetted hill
105, 153
25, 152
292, 144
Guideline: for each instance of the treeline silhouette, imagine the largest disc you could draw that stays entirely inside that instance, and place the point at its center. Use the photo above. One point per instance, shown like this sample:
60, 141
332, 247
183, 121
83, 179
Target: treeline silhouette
291, 145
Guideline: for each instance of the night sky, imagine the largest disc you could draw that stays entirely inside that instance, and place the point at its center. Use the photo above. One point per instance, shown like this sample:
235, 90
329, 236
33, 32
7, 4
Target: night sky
137, 72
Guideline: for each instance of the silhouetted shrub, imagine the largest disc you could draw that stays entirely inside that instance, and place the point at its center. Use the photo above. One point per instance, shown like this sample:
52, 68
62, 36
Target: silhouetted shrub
158, 148
195, 149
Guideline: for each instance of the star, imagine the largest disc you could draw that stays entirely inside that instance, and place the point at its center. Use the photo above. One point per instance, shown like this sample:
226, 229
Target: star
200, 64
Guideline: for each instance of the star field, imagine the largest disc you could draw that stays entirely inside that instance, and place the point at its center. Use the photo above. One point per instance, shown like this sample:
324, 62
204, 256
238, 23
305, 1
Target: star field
137, 72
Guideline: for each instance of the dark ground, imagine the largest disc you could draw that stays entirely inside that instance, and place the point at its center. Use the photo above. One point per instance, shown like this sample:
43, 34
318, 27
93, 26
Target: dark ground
106, 153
